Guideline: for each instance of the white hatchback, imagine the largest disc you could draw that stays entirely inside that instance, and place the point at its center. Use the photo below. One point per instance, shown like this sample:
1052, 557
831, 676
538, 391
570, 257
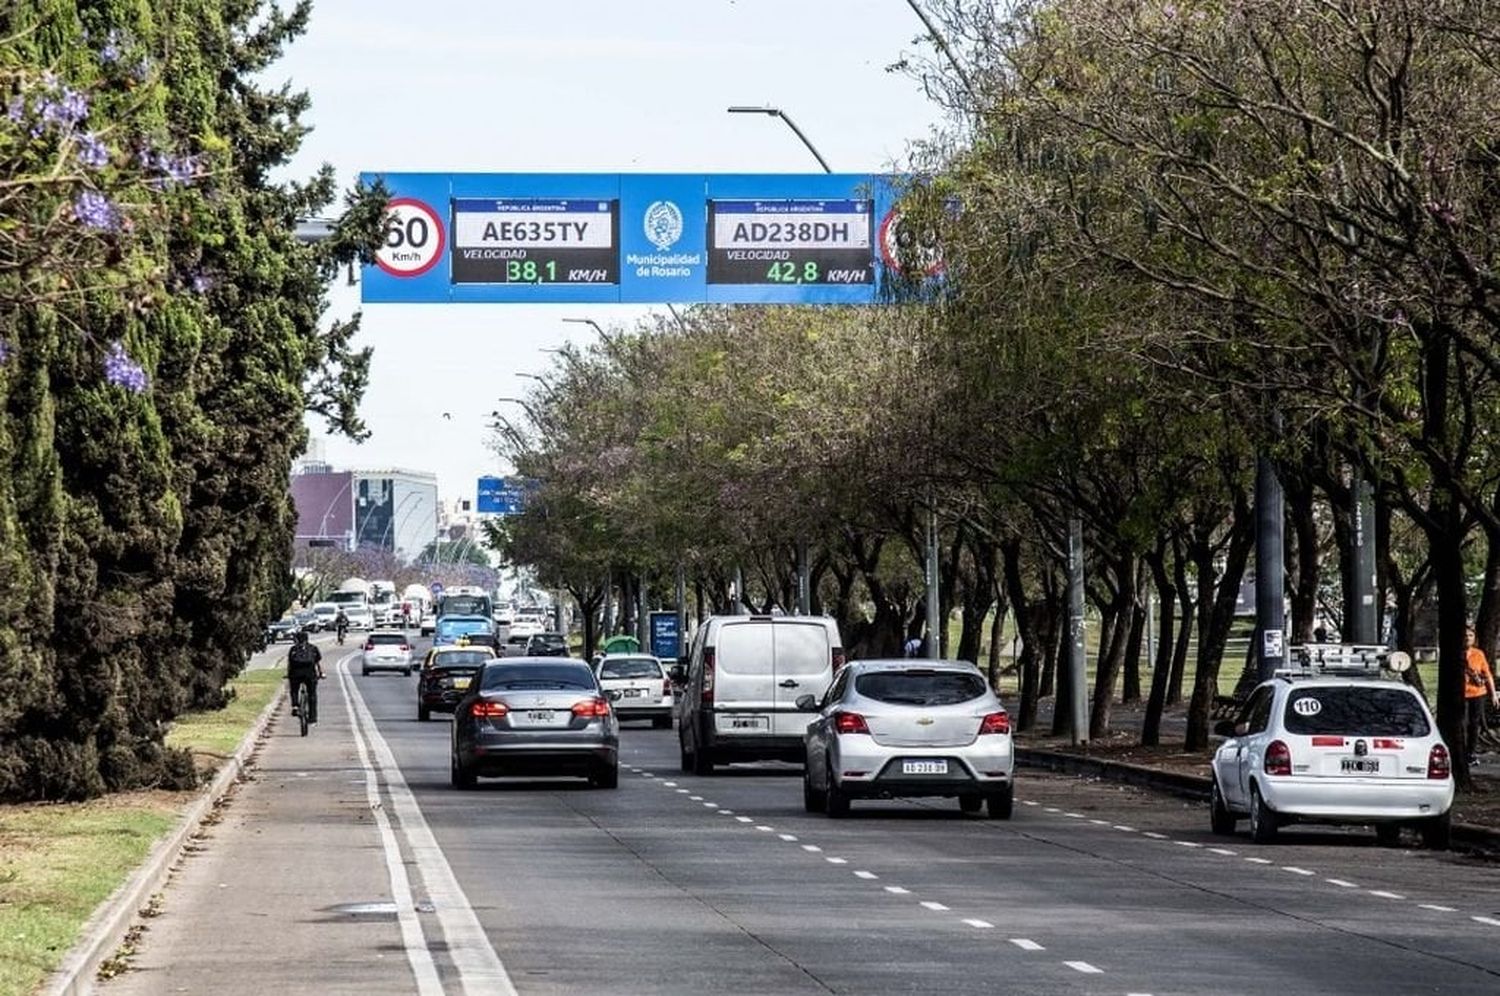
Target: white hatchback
1312, 748
637, 687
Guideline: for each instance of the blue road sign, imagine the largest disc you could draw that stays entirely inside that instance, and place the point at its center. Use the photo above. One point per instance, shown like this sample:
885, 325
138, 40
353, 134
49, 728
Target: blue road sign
436, 588
502, 495
666, 637
809, 238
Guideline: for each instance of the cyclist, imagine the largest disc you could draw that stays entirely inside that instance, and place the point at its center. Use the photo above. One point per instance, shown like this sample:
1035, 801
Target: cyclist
341, 625
304, 665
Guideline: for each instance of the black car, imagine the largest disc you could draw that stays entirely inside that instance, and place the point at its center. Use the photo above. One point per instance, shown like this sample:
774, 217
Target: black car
446, 675
308, 621
547, 645
282, 629
535, 716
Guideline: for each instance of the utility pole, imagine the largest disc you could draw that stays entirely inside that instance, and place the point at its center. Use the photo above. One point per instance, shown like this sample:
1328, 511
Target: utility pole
804, 581
934, 638
1077, 651
1364, 621
1270, 608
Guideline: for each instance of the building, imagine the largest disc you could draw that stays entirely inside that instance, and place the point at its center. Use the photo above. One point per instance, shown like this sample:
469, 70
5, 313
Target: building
395, 510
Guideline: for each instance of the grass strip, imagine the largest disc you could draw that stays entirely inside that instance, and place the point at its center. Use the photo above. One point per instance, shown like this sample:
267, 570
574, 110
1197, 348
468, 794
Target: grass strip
59, 861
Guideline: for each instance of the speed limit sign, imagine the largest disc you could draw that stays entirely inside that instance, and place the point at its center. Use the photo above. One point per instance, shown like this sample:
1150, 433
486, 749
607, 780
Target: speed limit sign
413, 240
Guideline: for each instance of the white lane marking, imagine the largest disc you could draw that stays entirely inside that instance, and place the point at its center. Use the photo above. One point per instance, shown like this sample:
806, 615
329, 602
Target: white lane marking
896, 890
1224, 851
474, 960
935, 907
670, 785
1341, 883
866, 875
1259, 861
789, 838
1154, 835
1489, 920
1436, 908
981, 924
726, 812
1386, 895
696, 798
1074, 816
811, 848
1120, 826
837, 861
1100, 823
418, 954
647, 774
1029, 802
682, 791
1026, 945
710, 805
1296, 871
762, 826
1186, 843
1084, 967
744, 819
1053, 809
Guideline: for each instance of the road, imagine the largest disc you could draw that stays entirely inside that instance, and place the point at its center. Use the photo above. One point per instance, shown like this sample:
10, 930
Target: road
349, 865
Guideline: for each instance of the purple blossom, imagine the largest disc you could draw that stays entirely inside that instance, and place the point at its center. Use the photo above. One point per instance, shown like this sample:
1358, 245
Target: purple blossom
65, 110
4, 352
174, 170
202, 283
91, 151
16, 109
141, 71
94, 210
112, 51
121, 370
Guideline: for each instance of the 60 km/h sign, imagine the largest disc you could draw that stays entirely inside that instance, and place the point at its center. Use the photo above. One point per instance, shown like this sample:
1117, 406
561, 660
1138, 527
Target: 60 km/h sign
414, 238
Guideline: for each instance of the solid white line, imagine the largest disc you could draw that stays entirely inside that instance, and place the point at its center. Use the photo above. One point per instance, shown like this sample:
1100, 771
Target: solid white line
1084, 967
418, 954
1436, 908
935, 907
811, 848
474, 960
1224, 851
1491, 921
866, 875
1026, 945
837, 861
1386, 895
1341, 883
896, 890
981, 924
787, 837
1296, 871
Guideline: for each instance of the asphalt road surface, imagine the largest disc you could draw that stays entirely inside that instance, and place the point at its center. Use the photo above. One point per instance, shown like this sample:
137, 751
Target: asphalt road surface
348, 865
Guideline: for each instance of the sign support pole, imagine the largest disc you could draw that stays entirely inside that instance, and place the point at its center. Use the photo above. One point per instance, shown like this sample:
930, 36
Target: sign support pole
1077, 651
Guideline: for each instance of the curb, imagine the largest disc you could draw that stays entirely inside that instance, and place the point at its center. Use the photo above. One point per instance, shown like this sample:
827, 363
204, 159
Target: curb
1196, 787
103, 933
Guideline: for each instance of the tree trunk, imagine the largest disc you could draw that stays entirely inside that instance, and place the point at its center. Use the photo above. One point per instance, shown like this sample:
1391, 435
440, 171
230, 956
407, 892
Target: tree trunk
1216, 616
997, 633
1306, 567
1445, 535
1112, 654
1131, 693
1187, 601
1161, 667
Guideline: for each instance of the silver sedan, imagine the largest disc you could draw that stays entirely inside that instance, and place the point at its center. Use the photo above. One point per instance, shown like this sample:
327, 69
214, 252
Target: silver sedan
901, 728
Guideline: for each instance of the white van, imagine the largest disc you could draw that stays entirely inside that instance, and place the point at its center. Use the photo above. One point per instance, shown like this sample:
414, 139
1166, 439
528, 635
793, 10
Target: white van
745, 674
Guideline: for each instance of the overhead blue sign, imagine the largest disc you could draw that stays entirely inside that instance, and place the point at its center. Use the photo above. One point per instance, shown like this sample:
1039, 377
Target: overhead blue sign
502, 495
810, 238
666, 635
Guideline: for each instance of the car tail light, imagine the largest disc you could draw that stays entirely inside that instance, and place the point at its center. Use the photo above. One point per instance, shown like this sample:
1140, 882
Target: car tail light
1437, 762
849, 722
405, 649
996, 722
666, 688
591, 707
370, 646
839, 660
708, 676
1278, 758
1382, 743
485, 709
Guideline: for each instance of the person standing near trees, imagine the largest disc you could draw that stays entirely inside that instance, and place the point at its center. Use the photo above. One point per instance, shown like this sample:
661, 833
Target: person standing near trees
1479, 688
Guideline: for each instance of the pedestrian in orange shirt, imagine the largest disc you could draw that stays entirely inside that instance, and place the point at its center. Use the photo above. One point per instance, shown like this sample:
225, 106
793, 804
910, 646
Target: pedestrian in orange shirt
1479, 684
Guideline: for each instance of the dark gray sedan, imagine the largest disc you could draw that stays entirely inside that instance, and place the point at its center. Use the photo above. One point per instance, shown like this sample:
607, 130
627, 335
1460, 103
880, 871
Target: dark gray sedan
535, 716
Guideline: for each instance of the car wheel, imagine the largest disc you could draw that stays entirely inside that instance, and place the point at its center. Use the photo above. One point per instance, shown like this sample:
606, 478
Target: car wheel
1388, 834
703, 763
1002, 803
365, 671
970, 803
606, 778
423, 714
662, 723
1262, 819
835, 802
460, 775
1220, 819
1437, 832
812, 799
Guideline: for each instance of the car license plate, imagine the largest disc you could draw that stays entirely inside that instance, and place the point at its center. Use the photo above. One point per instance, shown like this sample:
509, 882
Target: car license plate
924, 767
460, 683
749, 723
634, 693
539, 716
1360, 765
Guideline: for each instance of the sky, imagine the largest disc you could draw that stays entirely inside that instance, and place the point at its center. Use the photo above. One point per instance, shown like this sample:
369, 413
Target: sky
569, 86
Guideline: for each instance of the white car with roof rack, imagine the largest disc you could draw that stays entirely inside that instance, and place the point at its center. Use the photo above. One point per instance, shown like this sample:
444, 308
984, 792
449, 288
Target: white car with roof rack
1334, 739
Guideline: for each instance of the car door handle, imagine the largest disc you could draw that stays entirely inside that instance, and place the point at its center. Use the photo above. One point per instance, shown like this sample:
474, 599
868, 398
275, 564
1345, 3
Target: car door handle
789, 683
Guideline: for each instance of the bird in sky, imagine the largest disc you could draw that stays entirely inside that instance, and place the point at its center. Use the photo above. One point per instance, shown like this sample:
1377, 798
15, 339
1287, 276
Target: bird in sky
448, 416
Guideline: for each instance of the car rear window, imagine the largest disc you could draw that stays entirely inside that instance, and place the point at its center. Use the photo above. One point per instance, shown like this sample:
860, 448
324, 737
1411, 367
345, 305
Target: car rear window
518, 641
633, 667
461, 658
744, 648
1355, 711
802, 648
920, 687
542, 677
387, 639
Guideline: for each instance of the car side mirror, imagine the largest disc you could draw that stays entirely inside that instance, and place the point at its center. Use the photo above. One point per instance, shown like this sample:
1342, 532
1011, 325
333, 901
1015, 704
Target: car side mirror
1224, 728
1241, 729
807, 703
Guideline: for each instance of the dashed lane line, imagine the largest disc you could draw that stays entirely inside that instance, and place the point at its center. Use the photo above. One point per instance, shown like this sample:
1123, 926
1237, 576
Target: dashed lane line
837, 861
980, 924
1386, 895
1153, 835
1259, 861
1224, 851
867, 875
1026, 944
1487, 920
1084, 967
743, 819
812, 848
1341, 883
1297, 871
1436, 908
896, 890
928, 904
790, 838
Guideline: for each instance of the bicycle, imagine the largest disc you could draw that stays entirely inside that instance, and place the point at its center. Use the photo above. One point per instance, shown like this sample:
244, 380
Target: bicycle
302, 705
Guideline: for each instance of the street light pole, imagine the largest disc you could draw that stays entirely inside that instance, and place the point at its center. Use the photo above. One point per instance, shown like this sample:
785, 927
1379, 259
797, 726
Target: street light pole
804, 580
608, 339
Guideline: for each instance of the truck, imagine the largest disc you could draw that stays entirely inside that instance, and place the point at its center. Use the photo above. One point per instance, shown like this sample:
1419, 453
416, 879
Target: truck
353, 597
